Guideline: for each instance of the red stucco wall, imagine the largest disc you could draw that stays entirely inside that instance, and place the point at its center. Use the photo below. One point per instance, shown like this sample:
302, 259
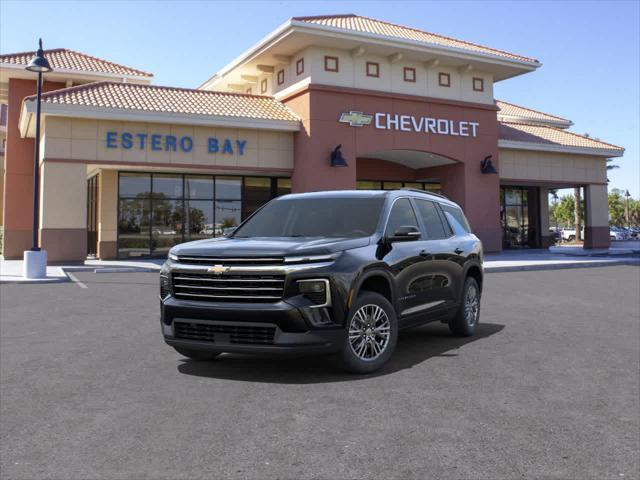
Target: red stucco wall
320, 107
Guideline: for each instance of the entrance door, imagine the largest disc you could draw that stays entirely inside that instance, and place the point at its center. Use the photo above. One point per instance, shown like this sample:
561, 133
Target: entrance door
519, 214
92, 216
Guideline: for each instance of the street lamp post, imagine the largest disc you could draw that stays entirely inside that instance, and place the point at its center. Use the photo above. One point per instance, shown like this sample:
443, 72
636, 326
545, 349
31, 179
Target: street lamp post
626, 208
35, 260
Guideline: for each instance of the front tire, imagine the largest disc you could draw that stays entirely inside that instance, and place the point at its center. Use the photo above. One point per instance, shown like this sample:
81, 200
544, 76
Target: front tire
197, 355
372, 333
466, 319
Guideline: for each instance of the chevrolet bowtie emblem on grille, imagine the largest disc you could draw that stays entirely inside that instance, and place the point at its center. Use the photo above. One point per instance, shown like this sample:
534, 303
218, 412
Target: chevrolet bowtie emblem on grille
218, 269
356, 119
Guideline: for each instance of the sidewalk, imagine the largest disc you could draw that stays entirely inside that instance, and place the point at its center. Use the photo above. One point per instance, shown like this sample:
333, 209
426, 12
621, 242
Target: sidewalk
506, 261
544, 259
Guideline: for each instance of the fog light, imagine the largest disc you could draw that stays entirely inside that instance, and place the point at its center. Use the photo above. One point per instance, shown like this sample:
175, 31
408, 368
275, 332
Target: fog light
316, 290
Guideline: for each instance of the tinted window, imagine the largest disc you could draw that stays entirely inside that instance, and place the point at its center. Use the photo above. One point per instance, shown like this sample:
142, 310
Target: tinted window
431, 218
315, 217
401, 216
458, 215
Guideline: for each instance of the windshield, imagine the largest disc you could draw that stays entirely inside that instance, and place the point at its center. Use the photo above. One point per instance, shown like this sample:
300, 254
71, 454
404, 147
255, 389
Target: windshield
314, 217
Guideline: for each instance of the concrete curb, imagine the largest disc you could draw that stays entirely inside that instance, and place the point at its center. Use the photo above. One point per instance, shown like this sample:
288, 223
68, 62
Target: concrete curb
561, 266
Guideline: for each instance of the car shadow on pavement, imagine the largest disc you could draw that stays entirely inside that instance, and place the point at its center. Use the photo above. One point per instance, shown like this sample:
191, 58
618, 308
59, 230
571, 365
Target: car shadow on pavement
414, 347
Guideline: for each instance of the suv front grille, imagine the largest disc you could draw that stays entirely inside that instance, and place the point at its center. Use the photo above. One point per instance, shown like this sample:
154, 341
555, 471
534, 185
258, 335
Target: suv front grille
253, 288
220, 333
230, 261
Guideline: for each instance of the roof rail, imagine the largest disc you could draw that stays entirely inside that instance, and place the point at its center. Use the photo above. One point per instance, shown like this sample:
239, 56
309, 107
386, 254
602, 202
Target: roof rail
417, 190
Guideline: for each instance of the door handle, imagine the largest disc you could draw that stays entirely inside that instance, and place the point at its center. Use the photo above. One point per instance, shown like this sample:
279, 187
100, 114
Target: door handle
458, 251
425, 254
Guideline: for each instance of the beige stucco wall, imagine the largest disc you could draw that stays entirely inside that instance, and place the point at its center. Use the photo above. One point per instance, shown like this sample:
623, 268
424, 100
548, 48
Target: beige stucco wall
551, 167
81, 139
352, 73
63, 196
597, 211
108, 206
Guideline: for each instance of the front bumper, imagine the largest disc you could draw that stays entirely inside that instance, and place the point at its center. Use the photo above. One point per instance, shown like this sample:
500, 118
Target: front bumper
290, 326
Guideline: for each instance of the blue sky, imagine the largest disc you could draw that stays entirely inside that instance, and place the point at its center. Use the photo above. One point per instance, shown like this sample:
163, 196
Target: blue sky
589, 50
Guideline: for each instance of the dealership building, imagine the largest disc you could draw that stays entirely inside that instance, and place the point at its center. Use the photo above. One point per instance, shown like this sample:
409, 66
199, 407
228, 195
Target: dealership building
129, 169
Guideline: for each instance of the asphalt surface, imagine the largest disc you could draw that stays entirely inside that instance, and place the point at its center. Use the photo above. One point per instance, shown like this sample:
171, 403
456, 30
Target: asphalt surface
549, 388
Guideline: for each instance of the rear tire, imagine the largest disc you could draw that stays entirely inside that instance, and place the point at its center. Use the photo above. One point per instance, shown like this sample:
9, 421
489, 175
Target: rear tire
371, 334
466, 319
197, 355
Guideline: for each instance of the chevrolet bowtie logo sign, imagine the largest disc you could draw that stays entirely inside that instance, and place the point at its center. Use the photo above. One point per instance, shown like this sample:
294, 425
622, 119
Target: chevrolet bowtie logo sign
218, 269
356, 119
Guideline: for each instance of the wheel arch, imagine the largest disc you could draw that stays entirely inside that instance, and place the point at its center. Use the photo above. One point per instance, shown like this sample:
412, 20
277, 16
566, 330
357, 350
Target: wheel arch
378, 281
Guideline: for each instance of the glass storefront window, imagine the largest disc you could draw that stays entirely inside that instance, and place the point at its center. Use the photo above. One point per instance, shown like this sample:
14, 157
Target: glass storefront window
256, 192
133, 227
135, 184
364, 185
228, 188
228, 215
391, 185
157, 211
167, 186
198, 188
167, 224
200, 220
283, 186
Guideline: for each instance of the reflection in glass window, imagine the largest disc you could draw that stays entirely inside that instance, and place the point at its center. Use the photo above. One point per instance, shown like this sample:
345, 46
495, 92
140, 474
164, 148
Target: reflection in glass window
228, 215
200, 188
401, 215
133, 227
228, 188
135, 184
256, 192
364, 185
167, 186
167, 225
199, 220
284, 186
391, 185
430, 217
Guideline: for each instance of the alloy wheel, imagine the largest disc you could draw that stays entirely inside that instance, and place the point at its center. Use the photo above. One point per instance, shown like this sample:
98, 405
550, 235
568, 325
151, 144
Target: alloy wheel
369, 332
471, 305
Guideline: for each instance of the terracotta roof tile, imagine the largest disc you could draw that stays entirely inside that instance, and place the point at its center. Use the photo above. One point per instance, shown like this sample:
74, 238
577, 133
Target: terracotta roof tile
65, 59
513, 110
379, 27
152, 98
517, 132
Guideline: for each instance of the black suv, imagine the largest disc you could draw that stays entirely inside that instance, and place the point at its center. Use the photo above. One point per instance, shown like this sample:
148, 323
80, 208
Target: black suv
338, 272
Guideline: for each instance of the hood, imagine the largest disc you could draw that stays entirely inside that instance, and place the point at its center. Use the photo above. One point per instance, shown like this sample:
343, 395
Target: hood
258, 246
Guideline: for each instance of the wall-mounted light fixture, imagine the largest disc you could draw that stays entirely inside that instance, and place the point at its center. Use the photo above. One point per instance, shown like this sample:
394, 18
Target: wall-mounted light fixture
337, 160
486, 165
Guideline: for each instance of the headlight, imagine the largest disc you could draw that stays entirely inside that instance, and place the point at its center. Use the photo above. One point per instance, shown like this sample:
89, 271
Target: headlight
316, 290
172, 256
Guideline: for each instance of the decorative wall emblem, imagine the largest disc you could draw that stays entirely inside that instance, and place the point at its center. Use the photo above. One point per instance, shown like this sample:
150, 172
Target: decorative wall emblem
356, 119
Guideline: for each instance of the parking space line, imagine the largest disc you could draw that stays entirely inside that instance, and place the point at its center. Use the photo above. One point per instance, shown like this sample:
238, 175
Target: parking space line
75, 280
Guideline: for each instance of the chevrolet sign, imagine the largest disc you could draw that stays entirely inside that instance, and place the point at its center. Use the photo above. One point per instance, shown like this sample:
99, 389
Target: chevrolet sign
355, 119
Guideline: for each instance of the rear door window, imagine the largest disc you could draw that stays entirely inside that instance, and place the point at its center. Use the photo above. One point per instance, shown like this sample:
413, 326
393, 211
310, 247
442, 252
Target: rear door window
431, 219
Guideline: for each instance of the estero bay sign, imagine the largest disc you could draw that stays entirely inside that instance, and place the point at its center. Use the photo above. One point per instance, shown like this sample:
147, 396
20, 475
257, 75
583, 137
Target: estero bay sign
411, 123
171, 143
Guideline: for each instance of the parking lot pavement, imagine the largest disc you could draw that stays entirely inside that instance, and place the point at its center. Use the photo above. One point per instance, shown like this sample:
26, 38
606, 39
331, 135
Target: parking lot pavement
548, 388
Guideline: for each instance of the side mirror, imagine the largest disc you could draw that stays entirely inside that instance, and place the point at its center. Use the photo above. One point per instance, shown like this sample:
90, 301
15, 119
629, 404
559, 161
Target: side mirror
405, 234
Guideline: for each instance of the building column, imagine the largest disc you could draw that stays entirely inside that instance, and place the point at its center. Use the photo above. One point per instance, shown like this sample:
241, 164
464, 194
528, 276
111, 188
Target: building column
63, 211
18, 173
107, 214
477, 194
596, 216
546, 240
